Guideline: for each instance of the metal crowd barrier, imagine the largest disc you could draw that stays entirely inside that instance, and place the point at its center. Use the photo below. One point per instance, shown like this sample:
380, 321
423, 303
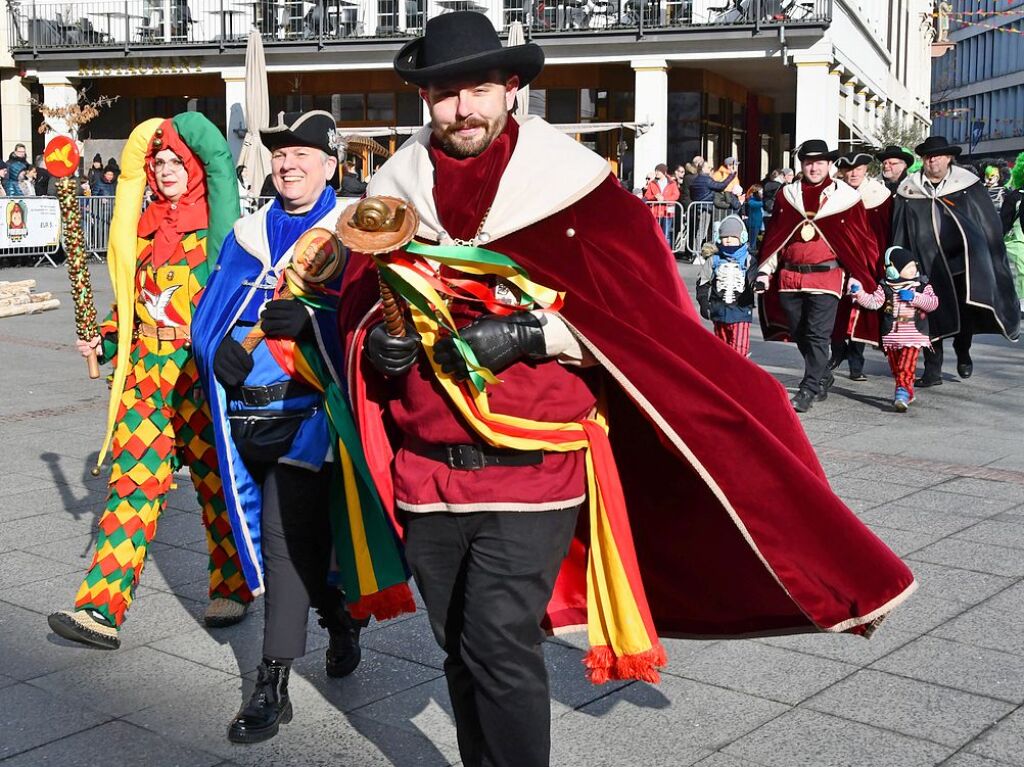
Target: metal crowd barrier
702, 220
670, 216
44, 252
96, 215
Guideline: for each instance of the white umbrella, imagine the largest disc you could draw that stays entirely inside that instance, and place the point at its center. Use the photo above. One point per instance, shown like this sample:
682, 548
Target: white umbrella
517, 37
254, 159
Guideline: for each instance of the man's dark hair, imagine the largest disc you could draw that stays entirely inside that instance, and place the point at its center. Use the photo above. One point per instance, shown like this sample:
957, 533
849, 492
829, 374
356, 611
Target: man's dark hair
661, 167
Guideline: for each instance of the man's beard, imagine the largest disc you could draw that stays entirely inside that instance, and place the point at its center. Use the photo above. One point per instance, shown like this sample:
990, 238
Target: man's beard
456, 146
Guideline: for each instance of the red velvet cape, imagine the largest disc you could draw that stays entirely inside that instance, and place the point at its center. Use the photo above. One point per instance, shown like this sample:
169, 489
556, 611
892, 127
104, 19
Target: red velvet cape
850, 236
866, 326
736, 528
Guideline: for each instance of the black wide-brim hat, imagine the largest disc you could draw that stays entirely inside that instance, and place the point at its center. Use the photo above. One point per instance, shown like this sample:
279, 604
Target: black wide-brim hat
934, 145
461, 45
893, 152
315, 129
815, 149
853, 160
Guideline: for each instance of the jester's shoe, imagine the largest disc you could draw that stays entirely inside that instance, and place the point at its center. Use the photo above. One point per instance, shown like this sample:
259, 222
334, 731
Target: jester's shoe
221, 613
81, 626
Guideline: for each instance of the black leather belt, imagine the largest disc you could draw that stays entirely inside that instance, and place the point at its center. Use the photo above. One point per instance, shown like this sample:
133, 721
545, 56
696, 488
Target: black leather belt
826, 266
476, 457
261, 396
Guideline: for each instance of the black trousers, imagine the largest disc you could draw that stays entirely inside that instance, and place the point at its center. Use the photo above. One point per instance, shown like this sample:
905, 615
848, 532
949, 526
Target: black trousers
811, 318
297, 547
852, 352
486, 579
961, 341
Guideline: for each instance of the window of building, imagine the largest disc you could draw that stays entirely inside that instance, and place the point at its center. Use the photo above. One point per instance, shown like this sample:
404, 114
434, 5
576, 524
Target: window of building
409, 109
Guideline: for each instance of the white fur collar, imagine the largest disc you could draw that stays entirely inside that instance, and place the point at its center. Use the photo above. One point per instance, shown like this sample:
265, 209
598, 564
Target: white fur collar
548, 172
251, 231
838, 197
873, 193
914, 188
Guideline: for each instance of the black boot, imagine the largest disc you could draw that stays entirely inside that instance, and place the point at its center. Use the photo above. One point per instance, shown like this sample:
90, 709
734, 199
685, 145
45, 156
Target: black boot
803, 400
343, 652
268, 707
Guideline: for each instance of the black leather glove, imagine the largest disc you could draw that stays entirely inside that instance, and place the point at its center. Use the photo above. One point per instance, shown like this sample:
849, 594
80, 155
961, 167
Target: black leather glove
231, 363
286, 318
497, 342
390, 355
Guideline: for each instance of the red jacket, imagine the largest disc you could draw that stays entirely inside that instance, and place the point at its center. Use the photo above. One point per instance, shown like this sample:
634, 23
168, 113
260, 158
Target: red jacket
671, 194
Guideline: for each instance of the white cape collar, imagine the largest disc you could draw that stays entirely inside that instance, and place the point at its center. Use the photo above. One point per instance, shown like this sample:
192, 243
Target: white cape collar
838, 197
548, 172
914, 187
873, 193
251, 232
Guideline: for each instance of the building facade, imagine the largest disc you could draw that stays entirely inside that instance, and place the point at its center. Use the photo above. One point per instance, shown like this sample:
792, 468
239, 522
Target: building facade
640, 81
978, 93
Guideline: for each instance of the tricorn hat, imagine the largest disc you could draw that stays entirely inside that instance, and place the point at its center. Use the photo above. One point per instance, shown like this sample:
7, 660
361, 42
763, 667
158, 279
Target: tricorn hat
815, 149
315, 129
934, 145
853, 159
893, 152
463, 44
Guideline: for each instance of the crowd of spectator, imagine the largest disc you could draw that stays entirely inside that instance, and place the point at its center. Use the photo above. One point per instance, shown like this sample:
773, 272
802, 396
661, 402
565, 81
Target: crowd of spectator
21, 178
699, 180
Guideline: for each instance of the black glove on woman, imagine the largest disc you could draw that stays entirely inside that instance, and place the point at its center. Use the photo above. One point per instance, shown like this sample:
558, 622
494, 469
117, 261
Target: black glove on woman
286, 318
231, 363
390, 355
497, 342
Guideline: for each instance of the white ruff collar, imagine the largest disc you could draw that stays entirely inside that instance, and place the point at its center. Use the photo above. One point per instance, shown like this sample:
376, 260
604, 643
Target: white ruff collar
837, 197
548, 172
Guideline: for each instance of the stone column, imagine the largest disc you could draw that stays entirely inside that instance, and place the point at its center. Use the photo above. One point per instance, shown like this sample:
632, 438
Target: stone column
58, 91
234, 99
15, 112
650, 112
817, 100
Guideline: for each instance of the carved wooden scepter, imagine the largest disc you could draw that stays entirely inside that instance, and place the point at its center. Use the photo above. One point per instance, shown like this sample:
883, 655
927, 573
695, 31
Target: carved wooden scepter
378, 225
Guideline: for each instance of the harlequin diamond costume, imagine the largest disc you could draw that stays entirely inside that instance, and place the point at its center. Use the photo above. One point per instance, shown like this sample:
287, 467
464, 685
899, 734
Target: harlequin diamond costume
598, 484
158, 416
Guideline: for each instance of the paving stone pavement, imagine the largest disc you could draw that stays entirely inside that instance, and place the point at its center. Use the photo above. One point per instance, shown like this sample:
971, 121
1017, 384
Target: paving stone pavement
941, 683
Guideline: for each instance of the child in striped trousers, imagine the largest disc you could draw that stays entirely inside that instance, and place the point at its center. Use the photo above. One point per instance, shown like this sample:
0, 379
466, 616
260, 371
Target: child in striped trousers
905, 299
723, 290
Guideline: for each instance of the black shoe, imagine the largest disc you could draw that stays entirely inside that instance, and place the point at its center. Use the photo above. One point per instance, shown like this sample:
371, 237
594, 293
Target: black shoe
965, 368
803, 400
268, 707
343, 651
858, 375
926, 380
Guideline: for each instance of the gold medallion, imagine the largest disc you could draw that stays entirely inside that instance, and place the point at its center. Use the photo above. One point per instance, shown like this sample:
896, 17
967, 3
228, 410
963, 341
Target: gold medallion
807, 232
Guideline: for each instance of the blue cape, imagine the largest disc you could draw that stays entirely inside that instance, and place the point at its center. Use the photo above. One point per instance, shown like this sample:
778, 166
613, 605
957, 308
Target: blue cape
257, 244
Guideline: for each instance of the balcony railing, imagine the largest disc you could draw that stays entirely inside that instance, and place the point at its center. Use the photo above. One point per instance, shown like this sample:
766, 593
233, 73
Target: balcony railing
128, 25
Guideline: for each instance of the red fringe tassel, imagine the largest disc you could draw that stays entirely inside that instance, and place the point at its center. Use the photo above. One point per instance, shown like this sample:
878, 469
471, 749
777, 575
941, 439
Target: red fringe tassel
388, 603
603, 665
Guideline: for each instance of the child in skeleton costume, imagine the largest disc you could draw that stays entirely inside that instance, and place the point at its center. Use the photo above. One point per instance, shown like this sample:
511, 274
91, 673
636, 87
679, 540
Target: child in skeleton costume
158, 417
723, 292
905, 299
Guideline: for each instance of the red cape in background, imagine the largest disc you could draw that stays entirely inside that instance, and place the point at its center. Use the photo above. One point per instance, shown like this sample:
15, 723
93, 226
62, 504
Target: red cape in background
850, 236
736, 528
866, 325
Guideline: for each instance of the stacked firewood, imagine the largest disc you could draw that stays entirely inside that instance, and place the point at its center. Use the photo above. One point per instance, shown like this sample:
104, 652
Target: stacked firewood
16, 297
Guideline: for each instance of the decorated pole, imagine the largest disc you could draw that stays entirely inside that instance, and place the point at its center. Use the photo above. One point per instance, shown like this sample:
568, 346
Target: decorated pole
62, 157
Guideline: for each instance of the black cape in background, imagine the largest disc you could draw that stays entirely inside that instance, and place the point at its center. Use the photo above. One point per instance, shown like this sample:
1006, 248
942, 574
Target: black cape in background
991, 297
